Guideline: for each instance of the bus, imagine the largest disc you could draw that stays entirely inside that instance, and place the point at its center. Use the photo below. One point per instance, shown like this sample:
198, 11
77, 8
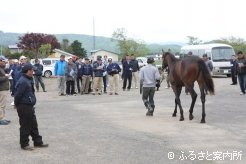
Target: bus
219, 54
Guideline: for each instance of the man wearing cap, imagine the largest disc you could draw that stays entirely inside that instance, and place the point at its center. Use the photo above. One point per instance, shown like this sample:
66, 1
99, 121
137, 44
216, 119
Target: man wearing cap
25, 100
38, 70
86, 73
4, 87
70, 76
113, 70
17, 72
98, 69
149, 75
60, 73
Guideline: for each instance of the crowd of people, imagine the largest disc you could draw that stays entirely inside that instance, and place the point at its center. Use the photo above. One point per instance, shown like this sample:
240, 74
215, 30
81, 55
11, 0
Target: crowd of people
77, 76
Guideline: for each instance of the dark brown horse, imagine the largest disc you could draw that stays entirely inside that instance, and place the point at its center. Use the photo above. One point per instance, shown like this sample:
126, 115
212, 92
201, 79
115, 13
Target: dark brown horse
184, 73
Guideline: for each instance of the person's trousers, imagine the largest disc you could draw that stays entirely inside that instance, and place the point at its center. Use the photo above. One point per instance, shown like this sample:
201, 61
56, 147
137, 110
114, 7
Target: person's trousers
10, 85
148, 95
85, 84
97, 84
135, 76
78, 82
38, 79
114, 83
233, 77
3, 101
70, 87
127, 77
28, 125
242, 82
105, 79
61, 84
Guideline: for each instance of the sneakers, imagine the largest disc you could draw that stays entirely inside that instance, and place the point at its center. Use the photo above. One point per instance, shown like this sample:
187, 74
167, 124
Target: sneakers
4, 122
241, 93
166, 87
13, 103
136, 87
116, 93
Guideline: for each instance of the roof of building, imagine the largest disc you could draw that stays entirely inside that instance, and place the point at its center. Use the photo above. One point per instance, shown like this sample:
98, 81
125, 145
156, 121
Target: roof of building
14, 46
63, 52
95, 51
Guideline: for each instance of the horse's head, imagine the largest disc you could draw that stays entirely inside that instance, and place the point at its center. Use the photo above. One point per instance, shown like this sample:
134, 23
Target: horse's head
164, 59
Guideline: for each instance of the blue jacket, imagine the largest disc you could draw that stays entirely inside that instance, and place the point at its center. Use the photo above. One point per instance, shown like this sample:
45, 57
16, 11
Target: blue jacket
113, 68
25, 91
60, 68
98, 72
86, 69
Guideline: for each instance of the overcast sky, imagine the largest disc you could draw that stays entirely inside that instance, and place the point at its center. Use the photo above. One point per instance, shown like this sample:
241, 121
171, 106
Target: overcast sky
147, 20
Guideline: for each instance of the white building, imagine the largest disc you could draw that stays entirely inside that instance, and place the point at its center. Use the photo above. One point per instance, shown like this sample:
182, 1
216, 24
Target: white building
102, 53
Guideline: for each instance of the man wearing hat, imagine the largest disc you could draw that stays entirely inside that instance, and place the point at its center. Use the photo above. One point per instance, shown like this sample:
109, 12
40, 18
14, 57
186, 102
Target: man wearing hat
70, 76
98, 69
25, 100
149, 75
86, 73
17, 72
38, 70
4, 87
113, 70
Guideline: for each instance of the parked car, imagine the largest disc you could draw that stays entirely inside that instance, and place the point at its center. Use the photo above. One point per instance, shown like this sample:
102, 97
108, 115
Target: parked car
48, 64
142, 61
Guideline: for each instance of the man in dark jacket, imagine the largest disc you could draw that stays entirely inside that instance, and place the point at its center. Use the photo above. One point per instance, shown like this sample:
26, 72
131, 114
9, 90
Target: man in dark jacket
38, 70
241, 71
98, 69
86, 73
4, 87
113, 70
233, 70
25, 100
127, 68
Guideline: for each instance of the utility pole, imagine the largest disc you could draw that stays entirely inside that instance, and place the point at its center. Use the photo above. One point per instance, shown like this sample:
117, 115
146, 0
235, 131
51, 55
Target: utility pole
94, 37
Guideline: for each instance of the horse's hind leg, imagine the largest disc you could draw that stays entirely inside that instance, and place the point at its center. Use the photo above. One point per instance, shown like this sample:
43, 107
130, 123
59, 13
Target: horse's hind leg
203, 99
175, 109
193, 96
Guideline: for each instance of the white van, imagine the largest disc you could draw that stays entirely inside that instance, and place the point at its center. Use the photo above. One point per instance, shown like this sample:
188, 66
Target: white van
48, 64
219, 54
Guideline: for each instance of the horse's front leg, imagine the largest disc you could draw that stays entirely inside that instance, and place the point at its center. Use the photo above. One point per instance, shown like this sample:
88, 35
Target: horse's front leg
177, 92
193, 97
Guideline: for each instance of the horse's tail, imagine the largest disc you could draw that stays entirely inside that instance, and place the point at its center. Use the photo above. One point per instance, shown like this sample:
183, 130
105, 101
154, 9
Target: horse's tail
207, 78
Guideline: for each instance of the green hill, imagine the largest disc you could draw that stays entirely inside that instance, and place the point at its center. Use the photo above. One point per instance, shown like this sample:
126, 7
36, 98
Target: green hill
87, 42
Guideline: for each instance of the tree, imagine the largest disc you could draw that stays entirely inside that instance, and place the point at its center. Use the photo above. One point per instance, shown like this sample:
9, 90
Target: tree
193, 40
45, 50
128, 45
65, 44
33, 41
78, 50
